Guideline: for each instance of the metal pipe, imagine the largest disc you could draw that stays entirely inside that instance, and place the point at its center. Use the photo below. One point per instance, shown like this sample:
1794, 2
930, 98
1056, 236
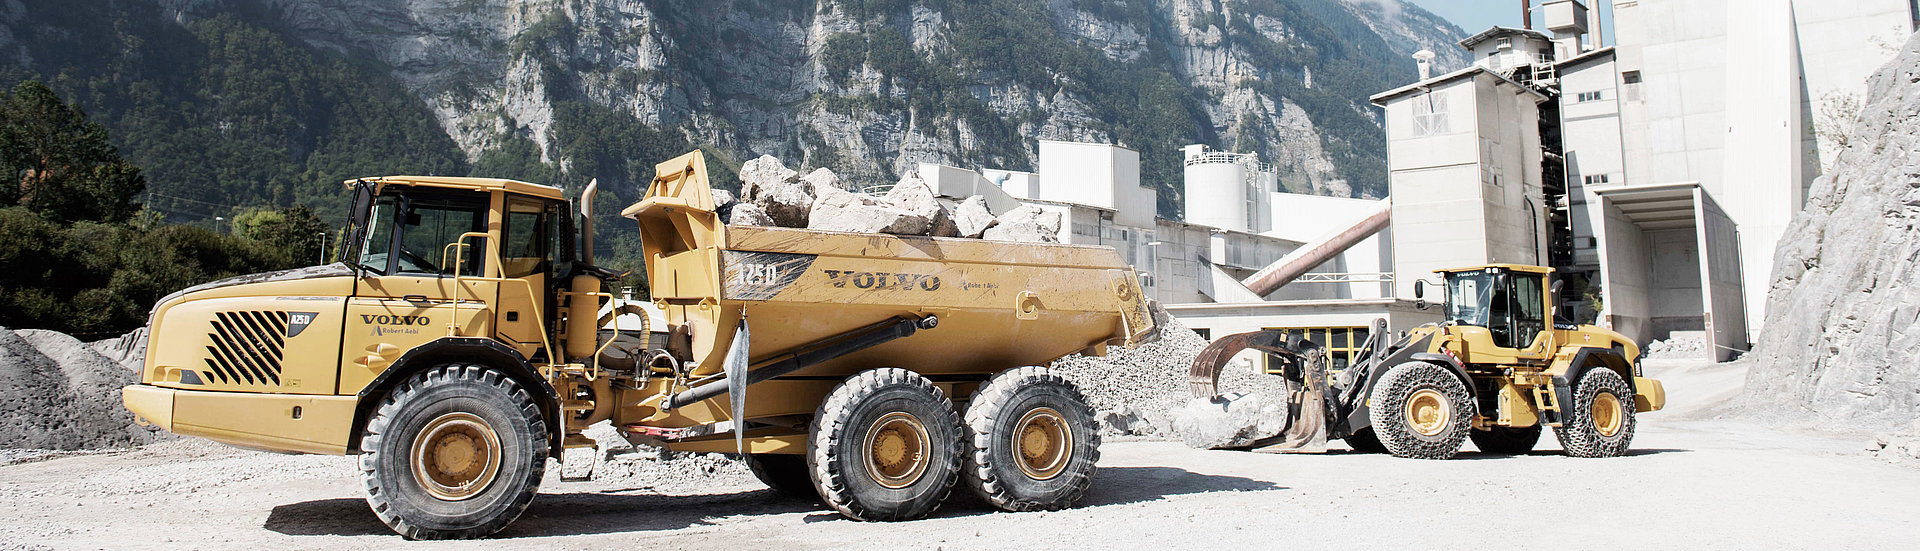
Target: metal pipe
848, 343
1526, 14
1298, 262
586, 220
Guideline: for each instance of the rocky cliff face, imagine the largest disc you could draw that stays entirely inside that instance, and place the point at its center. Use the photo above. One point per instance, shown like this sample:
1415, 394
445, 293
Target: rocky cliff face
1842, 336
873, 87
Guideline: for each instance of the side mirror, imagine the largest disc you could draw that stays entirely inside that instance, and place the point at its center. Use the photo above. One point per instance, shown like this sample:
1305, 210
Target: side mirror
1419, 288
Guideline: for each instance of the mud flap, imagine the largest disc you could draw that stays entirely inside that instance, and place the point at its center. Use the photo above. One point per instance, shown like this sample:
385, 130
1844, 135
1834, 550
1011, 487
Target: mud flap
736, 371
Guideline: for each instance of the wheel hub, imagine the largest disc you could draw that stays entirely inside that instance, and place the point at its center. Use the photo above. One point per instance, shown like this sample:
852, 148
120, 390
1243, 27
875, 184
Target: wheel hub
456, 456
1043, 443
1608, 418
897, 450
1428, 413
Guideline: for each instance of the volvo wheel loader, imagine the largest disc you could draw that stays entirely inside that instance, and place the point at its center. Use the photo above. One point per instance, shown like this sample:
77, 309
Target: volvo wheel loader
1496, 371
457, 349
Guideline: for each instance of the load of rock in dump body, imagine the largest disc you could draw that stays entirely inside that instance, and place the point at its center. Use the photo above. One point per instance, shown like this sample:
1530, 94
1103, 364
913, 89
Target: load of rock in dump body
1137, 392
773, 195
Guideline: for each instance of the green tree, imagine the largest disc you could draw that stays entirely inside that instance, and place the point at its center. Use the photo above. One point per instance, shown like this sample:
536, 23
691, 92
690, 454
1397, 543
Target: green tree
57, 163
293, 232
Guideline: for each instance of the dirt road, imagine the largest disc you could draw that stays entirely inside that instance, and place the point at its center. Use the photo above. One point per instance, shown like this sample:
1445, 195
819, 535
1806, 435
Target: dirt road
1692, 483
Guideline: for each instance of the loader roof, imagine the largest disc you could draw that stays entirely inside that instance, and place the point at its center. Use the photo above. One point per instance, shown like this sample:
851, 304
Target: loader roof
484, 184
1510, 267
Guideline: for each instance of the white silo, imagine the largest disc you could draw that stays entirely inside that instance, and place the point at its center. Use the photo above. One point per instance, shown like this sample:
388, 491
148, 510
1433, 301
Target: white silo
1216, 189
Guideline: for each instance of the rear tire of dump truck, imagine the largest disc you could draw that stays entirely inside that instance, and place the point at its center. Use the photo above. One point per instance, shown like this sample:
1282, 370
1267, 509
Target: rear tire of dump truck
885, 445
786, 474
1034, 441
1420, 410
455, 452
1600, 423
1507, 440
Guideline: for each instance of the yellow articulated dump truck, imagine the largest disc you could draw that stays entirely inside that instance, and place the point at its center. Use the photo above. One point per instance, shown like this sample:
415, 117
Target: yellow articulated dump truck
457, 348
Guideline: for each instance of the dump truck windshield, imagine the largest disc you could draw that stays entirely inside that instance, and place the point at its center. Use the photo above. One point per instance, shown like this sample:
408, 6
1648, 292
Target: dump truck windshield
1468, 297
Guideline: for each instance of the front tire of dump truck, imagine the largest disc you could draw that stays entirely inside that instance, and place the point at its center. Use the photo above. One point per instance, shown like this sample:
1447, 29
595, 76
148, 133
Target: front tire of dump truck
1034, 441
1420, 410
1601, 421
885, 445
455, 452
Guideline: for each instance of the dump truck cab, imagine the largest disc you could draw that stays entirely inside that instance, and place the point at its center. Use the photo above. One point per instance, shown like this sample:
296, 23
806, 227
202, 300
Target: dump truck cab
1498, 370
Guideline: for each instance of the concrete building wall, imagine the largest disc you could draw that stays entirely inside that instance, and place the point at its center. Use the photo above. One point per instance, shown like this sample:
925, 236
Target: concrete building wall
1624, 284
1736, 94
1591, 139
1464, 192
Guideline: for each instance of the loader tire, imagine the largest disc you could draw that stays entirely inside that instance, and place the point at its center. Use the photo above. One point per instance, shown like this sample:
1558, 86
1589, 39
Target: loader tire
785, 473
455, 452
1034, 441
885, 445
1506, 440
1600, 423
1420, 410
1364, 441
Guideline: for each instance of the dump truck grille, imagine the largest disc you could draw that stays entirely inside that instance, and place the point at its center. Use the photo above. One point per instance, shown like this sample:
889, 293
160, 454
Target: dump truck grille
246, 347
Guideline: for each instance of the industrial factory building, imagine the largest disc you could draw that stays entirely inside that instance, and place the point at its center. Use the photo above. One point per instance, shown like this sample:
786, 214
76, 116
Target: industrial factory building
1636, 170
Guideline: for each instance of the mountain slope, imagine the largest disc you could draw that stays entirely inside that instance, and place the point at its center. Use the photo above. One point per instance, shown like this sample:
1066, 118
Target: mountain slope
605, 88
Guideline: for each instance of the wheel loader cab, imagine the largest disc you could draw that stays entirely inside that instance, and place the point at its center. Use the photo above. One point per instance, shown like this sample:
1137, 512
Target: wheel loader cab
1510, 302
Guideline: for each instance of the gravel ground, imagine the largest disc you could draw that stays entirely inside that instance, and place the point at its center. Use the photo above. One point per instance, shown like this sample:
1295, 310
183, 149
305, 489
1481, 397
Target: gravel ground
1693, 481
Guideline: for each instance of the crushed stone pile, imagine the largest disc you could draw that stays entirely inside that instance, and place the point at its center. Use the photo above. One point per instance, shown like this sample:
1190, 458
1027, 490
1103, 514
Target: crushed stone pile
1897, 447
1841, 344
773, 195
57, 393
615, 461
1689, 345
1138, 392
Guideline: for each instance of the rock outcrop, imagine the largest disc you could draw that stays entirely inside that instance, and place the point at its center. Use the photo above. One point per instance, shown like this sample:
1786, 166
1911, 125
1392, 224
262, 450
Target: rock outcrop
1841, 342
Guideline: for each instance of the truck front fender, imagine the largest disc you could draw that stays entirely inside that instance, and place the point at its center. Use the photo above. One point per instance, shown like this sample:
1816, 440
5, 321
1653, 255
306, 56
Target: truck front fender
1583, 360
484, 351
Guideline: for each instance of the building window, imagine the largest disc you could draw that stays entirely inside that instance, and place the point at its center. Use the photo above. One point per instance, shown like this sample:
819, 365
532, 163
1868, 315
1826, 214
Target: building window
1343, 344
1596, 179
1632, 81
1430, 115
1595, 95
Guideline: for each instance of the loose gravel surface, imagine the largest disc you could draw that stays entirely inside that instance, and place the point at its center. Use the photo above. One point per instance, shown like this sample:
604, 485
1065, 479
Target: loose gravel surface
1693, 481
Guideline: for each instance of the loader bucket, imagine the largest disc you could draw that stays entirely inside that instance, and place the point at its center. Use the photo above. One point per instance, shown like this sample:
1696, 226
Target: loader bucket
1306, 374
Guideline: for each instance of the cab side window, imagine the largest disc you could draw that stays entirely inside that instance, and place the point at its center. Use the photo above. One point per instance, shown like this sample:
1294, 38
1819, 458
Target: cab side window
428, 230
526, 238
1529, 309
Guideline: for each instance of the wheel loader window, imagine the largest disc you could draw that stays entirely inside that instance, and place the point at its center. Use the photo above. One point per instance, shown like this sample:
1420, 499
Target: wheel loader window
1529, 308
1468, 294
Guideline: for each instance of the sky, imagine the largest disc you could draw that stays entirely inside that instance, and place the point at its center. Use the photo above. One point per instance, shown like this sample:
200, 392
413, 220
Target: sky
1474, 16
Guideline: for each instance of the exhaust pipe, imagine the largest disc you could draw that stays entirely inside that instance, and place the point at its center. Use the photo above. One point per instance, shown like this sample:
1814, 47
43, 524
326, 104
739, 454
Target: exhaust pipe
583, 301
586, 220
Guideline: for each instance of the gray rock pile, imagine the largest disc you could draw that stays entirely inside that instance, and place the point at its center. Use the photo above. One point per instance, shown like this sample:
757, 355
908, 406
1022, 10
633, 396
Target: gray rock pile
1897, 447
57, 393
1682, 345
1138, 392
773, 195
616, 461
1841, 344
1233, 420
